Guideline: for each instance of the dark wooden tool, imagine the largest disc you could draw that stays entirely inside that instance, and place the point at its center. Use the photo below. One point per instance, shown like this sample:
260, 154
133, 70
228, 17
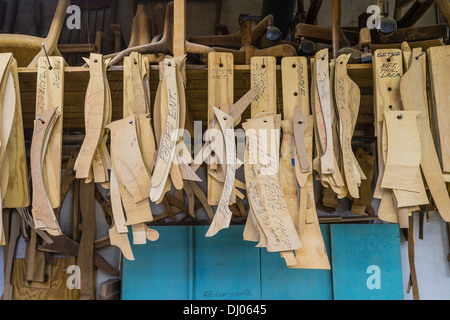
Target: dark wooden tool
165, 45
253, 39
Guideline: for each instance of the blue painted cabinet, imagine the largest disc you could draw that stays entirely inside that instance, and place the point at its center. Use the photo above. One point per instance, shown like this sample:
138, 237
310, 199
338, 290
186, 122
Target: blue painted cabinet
185, 265
366, 262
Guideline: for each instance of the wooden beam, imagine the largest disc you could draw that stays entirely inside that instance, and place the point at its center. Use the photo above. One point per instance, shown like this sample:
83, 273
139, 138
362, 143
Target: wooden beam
336, 26
313, 11
414, 13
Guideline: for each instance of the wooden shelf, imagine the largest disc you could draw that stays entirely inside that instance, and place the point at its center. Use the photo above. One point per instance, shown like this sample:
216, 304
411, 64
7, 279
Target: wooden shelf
77, 78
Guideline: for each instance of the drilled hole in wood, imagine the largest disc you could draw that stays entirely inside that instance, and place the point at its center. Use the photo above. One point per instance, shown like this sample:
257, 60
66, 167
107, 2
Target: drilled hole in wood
389, 89
294, 66
295, 93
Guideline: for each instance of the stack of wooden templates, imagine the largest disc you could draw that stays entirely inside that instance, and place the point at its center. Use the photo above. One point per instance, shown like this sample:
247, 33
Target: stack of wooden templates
14, 188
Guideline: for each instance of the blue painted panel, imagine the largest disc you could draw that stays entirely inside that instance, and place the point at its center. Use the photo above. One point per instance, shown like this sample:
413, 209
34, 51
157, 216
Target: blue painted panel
281, 283
160, 270
225, 266
364, 256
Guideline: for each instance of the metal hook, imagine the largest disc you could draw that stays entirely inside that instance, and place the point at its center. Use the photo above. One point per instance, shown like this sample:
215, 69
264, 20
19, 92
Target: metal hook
46, 54
400, 116
42, 121
417, 57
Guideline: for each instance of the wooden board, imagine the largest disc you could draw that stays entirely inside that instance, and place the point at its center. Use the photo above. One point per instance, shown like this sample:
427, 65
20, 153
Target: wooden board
221, 96
223, 214
94, 113
166, 148
439, 69
387, 73
50, 94
263, 75
56, 282
17, 194
403, 159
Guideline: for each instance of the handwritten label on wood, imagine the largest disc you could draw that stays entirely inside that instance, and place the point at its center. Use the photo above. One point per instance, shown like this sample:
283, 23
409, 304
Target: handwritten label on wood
265, 192
50, 94
263, 75
169, 139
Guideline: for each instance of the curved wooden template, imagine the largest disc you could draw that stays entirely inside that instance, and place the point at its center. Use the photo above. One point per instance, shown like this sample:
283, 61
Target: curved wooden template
50, 94
323, 111
300, 124
121, 241
94, 111
116, 204
412, 89
8, 107
43, 215
166, 148
223, 213
343, 106
147, 141
220, 95
287, 170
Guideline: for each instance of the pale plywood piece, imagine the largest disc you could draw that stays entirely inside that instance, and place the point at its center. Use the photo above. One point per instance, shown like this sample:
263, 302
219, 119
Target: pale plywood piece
387, 210
135, 212
220, 95
439, 69
313, 254
288, 178
139, 233
265, 192
127, 158
170, 121
300, 124
387, 73
151, 234
223, 213
342, 89
413, 94
294, 73
263, 75
43, 215
116, 204
251, 232
139, 97
17, 193
404, 149
323, 111
366, 162
180, 69
94, 111
121, 241
50, 94
147, 143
